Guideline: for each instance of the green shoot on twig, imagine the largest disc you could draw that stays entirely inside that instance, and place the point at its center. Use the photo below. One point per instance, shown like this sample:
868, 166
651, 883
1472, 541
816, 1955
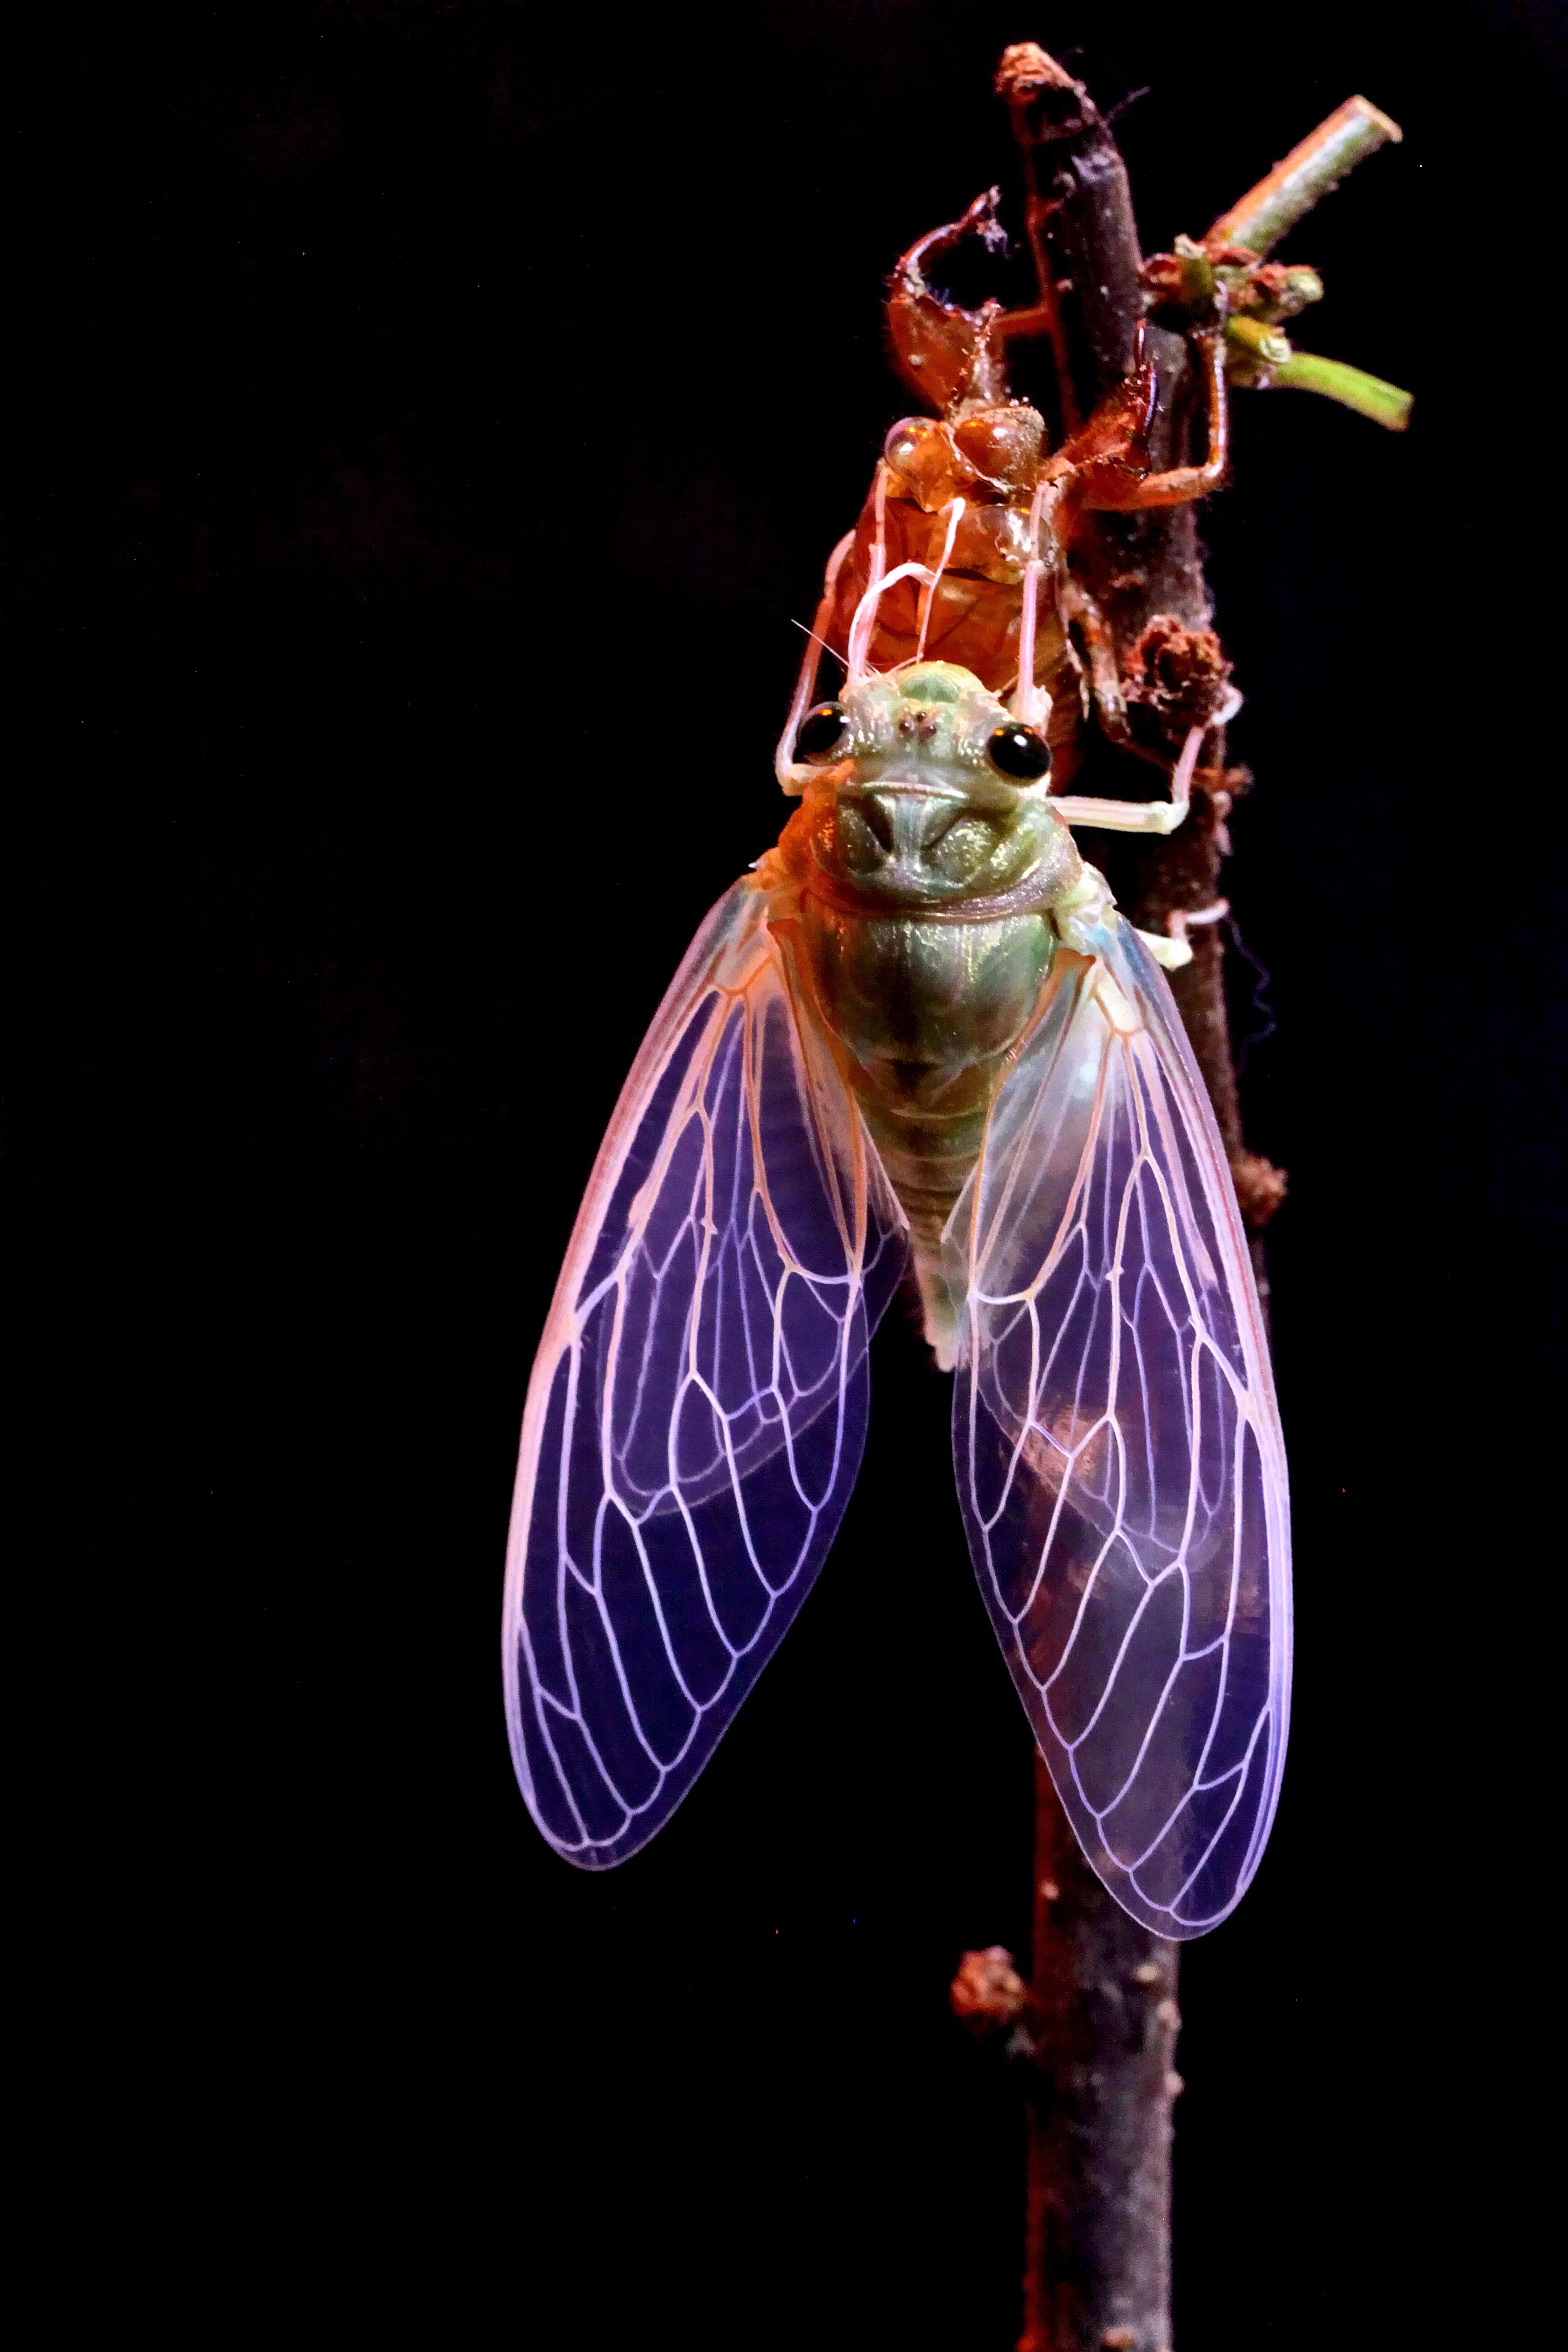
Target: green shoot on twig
1226, 274
1270, 360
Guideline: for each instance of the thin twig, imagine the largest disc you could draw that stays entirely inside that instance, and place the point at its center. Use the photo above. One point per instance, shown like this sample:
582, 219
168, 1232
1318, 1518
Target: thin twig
1309, 172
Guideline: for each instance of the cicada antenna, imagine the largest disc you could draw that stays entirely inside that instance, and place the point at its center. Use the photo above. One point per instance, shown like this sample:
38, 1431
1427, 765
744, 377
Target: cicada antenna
817, 639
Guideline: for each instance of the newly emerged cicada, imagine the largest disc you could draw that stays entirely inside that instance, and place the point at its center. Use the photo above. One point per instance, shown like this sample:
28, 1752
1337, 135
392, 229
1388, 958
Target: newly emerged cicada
919, 1032
919, 1035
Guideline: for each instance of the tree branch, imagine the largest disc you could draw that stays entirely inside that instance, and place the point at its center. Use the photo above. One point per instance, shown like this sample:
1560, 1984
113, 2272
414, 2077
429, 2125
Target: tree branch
1094, 2031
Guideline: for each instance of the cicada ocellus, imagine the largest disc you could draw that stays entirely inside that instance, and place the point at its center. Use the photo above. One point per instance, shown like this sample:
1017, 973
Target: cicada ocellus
919, 1035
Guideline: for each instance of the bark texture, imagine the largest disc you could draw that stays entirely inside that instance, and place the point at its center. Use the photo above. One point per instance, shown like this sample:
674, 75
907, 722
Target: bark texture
1102, 2023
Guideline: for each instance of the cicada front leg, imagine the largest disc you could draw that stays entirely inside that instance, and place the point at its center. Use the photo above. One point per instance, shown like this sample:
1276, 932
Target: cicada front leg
1178, 485
1139, 816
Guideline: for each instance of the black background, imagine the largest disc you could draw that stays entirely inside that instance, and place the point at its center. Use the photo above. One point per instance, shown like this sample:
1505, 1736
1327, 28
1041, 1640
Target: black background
435, 417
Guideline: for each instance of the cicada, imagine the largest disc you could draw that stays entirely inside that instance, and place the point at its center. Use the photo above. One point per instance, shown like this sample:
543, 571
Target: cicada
919, 1038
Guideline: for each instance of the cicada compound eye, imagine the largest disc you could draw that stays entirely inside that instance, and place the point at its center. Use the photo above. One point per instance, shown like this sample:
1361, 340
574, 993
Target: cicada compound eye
823, 731
1019, 753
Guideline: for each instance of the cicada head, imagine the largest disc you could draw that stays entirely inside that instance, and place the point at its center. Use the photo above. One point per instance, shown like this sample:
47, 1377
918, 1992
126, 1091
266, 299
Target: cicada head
928, 792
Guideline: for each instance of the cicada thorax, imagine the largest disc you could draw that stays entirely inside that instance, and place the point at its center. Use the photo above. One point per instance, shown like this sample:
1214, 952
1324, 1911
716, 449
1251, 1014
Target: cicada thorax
914, 892
987, 463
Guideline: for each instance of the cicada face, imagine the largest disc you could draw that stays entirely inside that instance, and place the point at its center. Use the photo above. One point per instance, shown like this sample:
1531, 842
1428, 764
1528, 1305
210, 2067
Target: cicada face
930, 794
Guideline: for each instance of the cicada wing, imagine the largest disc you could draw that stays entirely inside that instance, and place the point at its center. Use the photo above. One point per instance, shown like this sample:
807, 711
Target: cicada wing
1118, 1449
697, 1409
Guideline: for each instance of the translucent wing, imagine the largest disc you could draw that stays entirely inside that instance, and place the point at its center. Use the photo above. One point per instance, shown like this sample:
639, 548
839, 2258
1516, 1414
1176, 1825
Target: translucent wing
1118, 1447
697, 1409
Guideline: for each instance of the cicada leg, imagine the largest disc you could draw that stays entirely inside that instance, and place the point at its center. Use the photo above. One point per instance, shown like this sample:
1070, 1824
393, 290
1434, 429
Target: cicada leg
1181, 483
1138, 816
1104, 671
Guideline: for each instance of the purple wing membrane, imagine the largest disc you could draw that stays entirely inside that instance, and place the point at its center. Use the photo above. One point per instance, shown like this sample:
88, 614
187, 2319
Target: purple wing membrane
1118, 1448
697, 1410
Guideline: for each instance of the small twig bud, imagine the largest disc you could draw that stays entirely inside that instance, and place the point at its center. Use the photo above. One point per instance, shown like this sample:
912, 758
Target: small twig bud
987, 1993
